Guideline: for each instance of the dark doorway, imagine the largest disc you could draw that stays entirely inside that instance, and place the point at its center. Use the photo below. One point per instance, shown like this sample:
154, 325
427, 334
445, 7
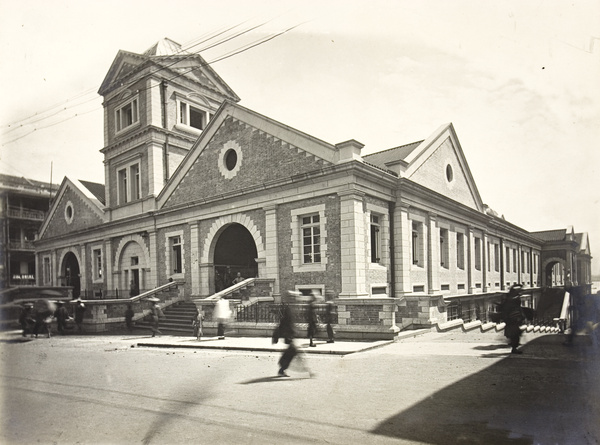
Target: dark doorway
235, 252
72, 274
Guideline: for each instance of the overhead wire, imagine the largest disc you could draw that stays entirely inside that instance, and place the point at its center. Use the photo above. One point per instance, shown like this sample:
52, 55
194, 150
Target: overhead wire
182, 51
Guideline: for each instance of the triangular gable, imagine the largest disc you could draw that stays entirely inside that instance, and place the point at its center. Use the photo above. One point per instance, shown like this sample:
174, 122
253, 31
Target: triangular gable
189, 65
261, 140
439, 164
124, 63
86, 210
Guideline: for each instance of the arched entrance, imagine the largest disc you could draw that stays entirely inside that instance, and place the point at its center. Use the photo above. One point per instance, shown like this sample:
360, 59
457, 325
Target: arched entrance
235, 252
71, 273
132, 265
555, 273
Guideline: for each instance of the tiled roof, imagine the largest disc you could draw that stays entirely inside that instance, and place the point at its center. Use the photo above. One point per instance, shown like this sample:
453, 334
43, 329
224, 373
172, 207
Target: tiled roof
385, 157
551, 235
164, 47
95, 189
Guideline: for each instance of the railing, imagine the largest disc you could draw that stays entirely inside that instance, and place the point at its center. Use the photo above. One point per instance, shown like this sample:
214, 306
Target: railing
472, 308
271, 313
228, 293
17, 212
21, 245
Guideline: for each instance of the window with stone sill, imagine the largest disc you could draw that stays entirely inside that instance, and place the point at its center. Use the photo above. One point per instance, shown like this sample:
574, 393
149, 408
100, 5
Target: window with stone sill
193, 116
127, 115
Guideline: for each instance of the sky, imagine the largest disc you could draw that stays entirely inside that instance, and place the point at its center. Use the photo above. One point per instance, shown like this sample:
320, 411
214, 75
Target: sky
520, 81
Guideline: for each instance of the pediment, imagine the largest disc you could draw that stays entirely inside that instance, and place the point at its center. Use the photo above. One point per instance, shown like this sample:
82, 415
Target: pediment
124, 64
241, 151
438, 163
74, 208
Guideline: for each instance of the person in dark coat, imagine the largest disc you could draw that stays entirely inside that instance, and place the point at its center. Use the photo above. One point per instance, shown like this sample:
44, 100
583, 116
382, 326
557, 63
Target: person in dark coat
129, 318
513, 316
312, 321
287, 331
329, 310
79, 312
61, 315
26, 319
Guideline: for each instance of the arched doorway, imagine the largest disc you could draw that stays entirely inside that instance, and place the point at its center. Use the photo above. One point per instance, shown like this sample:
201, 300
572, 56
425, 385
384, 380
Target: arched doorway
555, 274
235, 252
132, 266
71, 274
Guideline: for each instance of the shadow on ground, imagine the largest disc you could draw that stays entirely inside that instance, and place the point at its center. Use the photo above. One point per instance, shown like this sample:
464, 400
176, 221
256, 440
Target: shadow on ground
548, 395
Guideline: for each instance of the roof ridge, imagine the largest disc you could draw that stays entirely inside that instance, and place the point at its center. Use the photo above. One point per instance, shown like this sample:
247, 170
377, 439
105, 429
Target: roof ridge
394, 148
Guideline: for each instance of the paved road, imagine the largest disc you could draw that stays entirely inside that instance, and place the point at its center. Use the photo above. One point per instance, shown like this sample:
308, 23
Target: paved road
435, 388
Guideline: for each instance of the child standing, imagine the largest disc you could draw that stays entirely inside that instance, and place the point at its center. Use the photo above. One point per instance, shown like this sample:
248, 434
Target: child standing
197, 323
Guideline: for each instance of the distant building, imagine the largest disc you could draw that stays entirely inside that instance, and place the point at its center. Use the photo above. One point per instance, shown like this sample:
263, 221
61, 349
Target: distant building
198, 188
23, 205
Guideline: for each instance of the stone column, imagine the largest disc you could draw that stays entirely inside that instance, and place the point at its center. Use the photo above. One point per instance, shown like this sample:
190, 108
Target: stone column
153, 245
108, 265
195, 258
433, 256
471, 260
484, 262
83, 269
402, 250
353, 250
271, 251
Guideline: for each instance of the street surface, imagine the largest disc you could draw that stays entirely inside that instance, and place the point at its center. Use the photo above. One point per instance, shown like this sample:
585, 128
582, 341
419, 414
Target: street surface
441, 389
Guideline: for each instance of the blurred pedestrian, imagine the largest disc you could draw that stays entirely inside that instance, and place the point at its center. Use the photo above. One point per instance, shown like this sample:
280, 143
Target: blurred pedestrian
222, 313
156, 314
26, 319
513, 316
198, 321
129, 318
61, 315
287, 331
312, 320
79, 313
329, 312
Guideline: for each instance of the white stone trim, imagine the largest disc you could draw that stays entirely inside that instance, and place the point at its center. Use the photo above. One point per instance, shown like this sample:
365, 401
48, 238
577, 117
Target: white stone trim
295, 224
225, 172
168, 265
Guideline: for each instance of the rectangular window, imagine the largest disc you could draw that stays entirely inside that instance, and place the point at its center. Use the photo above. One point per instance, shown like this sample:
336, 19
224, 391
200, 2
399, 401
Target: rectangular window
311, 239
192, 116
176, 258
417, 242
522, 261
489, 257
496, 257
444, 248
460, 250
122, 186
129, 183
135, 181
127, 115
375, 239
507, 259
514, 260
97, 263
478, 253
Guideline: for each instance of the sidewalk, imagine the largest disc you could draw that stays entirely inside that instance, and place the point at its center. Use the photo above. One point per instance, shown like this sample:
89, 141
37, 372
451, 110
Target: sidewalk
259, 344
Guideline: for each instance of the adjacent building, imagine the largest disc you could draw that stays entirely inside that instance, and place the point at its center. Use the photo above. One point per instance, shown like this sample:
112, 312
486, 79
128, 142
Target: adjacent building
23, 205
198, 188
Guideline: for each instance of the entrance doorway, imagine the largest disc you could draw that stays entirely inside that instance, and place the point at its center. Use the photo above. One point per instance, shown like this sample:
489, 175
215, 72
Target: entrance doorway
71, 274
235, 252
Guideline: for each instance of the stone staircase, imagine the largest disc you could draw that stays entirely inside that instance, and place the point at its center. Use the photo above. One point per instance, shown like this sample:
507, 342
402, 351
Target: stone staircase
177, 321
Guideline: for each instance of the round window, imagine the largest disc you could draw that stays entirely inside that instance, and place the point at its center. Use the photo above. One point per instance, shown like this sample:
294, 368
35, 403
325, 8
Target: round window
230, 159
449, 173
69, 212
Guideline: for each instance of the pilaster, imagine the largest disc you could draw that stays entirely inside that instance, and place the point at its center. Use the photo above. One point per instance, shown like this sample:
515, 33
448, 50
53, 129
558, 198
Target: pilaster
195, 258
352, 239
271, 250
402, 249
433, 257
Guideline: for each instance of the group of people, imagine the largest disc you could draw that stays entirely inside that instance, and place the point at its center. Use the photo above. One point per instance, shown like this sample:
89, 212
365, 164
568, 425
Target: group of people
38, 320
287, 330
226, 279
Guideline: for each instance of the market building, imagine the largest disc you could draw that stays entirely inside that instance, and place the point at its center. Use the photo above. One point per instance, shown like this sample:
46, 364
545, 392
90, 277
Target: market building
199, 188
